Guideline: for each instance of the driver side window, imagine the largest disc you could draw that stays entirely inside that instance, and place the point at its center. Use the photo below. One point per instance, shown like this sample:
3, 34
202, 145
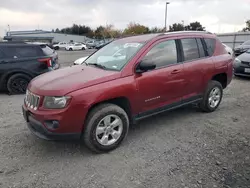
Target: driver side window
163, 54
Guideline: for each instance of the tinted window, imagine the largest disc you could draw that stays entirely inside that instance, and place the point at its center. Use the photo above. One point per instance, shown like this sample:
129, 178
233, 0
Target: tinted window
210, 43
201, 48
27, 51
1, 55
47, 50
190, 49
163, 54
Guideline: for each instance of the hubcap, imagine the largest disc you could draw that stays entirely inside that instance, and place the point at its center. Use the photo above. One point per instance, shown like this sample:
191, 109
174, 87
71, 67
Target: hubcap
19, 85
109, 130
214, 97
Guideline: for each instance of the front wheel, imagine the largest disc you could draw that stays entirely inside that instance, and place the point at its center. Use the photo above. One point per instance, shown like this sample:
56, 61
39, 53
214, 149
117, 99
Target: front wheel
83, 48
212, 96
106, 127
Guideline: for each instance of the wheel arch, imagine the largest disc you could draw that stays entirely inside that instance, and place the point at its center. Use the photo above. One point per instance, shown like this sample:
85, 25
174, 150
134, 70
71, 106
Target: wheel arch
122, 102
8, 74
222, 78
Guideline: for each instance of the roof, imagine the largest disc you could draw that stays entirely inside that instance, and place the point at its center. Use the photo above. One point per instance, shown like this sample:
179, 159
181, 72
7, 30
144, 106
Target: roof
16, 44
148, 37
27, 32
27, 37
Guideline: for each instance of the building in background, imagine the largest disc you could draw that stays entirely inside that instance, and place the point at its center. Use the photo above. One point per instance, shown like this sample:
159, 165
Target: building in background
234, 39
43, 36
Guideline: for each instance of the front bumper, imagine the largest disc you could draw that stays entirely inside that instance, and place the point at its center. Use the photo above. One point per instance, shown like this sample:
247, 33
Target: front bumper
39, 129
240, 71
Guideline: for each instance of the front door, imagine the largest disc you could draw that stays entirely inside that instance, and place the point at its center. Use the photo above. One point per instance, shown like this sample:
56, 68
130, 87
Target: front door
163, 86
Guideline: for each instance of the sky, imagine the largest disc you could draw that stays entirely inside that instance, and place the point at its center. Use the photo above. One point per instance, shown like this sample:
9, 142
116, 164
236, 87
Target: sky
218, 16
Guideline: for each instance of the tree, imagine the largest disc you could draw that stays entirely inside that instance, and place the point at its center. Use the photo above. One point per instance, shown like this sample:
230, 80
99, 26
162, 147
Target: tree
176, 27
195, 26
156, 30
57, 30
135, 28
247, 28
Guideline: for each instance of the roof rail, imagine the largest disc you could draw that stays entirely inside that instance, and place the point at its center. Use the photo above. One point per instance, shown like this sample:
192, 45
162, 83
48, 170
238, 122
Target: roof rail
189, 31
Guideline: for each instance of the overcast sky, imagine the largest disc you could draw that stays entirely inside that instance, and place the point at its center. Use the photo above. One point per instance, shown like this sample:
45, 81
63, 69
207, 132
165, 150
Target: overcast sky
216, 15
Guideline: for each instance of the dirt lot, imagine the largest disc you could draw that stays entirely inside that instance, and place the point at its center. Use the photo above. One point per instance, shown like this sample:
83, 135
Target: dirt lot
183, 149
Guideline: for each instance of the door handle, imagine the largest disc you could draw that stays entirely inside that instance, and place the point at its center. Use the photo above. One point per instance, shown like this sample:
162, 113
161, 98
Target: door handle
176, 71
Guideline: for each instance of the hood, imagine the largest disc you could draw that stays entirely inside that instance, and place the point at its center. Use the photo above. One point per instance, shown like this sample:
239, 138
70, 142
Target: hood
244, 57
66, 80
242, 47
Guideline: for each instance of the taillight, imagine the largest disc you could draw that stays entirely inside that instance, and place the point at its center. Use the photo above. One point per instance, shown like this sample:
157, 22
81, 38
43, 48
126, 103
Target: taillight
47, 61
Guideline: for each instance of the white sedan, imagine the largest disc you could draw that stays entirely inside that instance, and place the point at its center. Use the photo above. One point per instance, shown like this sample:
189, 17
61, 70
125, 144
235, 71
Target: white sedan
76, 46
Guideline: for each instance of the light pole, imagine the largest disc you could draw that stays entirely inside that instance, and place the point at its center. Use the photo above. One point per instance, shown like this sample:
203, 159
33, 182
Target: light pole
166, 12
183, 25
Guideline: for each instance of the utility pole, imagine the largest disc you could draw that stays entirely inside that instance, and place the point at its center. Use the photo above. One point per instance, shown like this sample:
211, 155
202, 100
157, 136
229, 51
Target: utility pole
166, 12
183, 25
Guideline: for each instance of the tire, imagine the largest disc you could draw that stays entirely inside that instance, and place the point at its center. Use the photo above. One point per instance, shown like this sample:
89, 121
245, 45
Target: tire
215, 100
18, 83
95, 119
83, 48
70, 49
56, 48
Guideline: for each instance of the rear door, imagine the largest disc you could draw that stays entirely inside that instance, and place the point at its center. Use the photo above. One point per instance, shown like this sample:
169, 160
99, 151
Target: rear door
163, 86
196, 63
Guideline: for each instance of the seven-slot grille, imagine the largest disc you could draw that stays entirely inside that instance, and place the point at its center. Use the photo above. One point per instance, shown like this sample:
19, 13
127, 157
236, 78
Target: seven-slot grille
32, 100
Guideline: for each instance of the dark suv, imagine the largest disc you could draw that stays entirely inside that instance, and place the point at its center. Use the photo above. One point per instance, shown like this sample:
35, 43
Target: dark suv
148, 75
20, 62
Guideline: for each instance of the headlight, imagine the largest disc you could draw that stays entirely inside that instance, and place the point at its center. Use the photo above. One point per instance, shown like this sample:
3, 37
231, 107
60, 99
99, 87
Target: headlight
237, 62
56, 102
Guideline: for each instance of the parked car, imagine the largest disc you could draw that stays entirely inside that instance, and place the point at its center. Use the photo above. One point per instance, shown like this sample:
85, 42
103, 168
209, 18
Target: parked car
101, 45
80, 60
19, 63
60, 45
242, 65
228, 49
76, 46
51, 53
242, 48
91, 44
98, 102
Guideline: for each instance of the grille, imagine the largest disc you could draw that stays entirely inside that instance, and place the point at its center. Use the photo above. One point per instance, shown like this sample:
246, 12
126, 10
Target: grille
245, 63
32, 100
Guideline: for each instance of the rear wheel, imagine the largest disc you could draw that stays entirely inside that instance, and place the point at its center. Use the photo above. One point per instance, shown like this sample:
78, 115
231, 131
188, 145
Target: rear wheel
106, 127
70, 49
18, 83
83, 48
212, 97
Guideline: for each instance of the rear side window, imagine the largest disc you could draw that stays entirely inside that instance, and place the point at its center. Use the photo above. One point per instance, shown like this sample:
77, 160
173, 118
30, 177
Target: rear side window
47, 50
22, 51
190, 49
210, 43
163, 54
28, 51
201, 48
1, 54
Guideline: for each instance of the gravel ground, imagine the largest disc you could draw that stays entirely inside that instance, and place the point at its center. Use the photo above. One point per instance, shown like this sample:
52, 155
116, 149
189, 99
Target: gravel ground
183, 148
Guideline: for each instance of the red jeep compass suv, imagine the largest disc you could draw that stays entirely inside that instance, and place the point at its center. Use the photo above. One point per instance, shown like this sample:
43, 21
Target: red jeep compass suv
127, 80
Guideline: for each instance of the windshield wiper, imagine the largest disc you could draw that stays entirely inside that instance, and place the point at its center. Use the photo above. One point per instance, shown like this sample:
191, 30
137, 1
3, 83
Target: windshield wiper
98, 65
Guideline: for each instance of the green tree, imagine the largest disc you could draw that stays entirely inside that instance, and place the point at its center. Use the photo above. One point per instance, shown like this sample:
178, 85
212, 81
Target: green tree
195, 26
135, 28
176, 27
156, 30
247, 28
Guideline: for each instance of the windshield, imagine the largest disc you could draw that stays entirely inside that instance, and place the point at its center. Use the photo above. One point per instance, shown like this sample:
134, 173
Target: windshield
248, 51
115, 55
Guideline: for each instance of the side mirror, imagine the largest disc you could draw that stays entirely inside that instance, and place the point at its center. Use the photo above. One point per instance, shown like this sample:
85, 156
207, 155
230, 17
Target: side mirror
145, 65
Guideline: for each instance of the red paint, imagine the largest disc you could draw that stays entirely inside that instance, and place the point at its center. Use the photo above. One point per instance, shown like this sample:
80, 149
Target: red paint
89, 85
